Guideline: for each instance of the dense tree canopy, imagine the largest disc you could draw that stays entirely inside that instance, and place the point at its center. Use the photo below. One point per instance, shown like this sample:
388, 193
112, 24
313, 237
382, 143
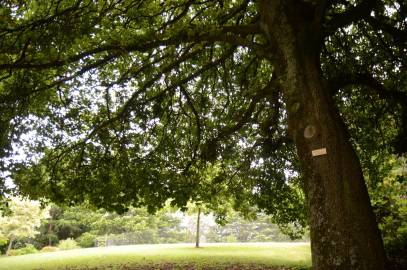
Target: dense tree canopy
127, 102
145, 121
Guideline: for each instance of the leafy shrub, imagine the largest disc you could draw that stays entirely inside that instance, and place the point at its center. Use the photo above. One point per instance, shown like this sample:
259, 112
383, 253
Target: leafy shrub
3, 244
231, 239
49, 249
129, 238
14, 252
389, 200
45, 238
3, 240
68, 243
28, 249
86, 240
101, 241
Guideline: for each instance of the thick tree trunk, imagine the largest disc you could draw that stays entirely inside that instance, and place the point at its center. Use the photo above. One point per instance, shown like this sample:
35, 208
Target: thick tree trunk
344, 233
198, 221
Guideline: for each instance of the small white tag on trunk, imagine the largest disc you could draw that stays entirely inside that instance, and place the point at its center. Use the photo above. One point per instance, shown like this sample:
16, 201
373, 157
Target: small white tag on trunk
319, 152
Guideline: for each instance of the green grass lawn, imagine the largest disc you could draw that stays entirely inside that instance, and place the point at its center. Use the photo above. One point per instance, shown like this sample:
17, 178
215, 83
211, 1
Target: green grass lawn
167, 256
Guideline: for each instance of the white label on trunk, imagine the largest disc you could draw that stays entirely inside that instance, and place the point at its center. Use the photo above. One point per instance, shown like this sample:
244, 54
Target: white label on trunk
319, 152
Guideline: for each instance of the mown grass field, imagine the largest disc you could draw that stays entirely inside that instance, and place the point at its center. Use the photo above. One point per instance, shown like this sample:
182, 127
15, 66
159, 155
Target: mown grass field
169, 256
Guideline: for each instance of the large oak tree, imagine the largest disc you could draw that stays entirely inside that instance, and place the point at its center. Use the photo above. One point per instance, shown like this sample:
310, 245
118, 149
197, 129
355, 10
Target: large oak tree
130, 100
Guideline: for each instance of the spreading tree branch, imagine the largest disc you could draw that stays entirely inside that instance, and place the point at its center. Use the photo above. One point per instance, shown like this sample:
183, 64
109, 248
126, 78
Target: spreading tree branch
209, 149
235, 35
342, 80
398, 35
351, 15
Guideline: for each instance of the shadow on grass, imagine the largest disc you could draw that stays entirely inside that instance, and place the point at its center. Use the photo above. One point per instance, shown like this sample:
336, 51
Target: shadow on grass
172, 266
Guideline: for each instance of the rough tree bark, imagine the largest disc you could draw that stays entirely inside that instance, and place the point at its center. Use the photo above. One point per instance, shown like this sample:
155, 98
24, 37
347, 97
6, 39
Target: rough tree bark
344, 232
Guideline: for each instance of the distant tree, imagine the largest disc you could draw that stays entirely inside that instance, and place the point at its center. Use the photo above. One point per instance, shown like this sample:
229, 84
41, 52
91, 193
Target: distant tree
256, 228
198, 224
196, 209
48, 231
84, 223
169, 228
212, 196
24, 220
54, 213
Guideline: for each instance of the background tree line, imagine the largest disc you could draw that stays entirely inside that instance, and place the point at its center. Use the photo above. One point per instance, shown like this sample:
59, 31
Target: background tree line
91, 227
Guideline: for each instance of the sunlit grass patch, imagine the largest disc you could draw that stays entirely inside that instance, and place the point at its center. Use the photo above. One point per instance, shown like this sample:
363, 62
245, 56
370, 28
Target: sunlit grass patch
212, 256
